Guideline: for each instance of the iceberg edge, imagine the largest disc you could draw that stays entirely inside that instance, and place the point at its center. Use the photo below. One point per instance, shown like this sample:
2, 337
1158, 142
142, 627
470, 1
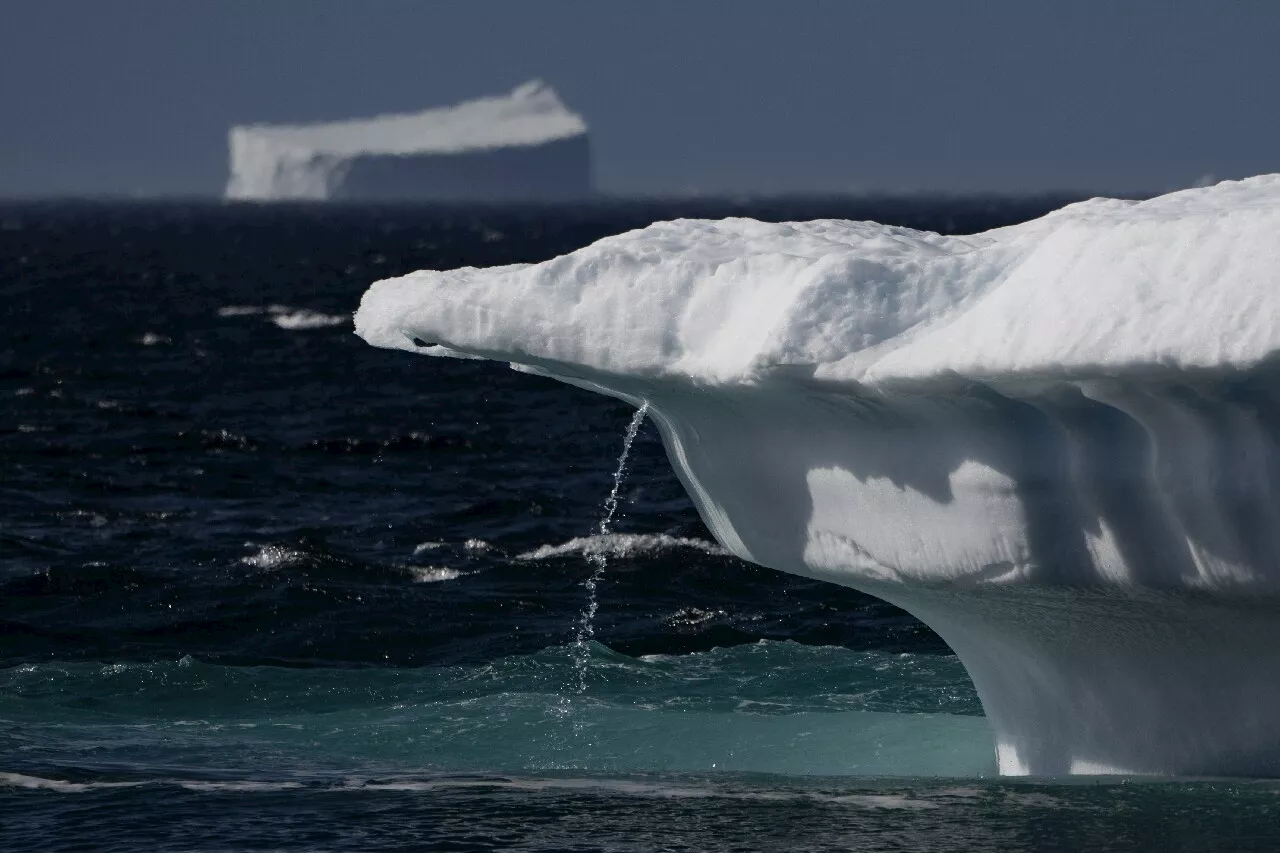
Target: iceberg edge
523, 146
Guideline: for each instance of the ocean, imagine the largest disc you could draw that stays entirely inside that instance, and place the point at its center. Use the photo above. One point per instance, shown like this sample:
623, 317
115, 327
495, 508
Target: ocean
264, 587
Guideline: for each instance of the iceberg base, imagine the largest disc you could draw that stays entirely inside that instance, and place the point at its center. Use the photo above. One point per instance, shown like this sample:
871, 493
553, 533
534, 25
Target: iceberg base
1093, 681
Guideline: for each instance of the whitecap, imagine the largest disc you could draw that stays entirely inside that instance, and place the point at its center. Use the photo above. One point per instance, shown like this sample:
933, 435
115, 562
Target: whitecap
242, 786
477, 546
433, 574
423, 547
62, 786
273, 556
306, 319
636, 788
623, 545
690, 616
286, 316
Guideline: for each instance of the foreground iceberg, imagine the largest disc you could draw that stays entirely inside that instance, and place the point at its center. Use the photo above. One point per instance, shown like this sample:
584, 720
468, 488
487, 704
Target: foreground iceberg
1055, 443
525, 146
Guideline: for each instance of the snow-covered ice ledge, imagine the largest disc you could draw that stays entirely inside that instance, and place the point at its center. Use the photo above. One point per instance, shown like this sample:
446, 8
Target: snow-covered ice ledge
1055, 443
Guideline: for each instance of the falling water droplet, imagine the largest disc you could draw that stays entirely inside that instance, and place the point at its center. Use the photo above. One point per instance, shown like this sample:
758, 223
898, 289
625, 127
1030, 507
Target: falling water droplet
599, 560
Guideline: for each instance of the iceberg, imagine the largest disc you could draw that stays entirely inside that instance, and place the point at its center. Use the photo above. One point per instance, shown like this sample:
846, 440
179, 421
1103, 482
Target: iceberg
1055, 443
525, 146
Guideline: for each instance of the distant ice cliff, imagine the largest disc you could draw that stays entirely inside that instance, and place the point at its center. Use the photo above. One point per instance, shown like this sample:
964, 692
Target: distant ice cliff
1056, 443
524, 146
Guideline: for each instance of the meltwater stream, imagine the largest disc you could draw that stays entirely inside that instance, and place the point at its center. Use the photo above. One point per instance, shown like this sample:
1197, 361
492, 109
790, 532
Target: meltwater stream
598, 559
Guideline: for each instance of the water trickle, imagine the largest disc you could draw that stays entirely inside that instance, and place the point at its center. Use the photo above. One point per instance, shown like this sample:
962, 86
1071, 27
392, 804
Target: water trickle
598, 559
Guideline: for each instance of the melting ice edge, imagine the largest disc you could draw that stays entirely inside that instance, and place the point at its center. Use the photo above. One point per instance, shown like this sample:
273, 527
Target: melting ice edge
1054, 443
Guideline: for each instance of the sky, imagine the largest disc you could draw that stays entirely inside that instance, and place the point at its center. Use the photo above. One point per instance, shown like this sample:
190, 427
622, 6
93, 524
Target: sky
135, 97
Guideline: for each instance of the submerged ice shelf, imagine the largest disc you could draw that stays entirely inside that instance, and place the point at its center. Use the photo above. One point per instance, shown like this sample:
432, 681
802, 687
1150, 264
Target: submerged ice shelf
1055, 443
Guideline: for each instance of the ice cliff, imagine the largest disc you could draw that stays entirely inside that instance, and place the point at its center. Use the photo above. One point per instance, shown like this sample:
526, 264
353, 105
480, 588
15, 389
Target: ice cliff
523, 146
1055, 443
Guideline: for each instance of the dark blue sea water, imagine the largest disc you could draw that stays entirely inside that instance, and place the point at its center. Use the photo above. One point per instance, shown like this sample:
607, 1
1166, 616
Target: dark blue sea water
263, 587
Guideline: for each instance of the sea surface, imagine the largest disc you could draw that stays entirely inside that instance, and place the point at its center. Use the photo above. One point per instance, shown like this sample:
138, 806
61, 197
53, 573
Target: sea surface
264, 587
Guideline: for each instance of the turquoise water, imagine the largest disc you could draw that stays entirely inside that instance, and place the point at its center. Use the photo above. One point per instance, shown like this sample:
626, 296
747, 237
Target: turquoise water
766, 746
768, 707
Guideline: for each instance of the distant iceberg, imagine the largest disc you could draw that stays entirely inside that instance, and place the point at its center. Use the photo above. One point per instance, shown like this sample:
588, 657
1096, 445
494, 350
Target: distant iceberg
524, 146
1057, 443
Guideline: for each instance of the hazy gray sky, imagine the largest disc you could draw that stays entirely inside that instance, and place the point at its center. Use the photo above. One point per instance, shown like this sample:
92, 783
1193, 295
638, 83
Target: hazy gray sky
136, 96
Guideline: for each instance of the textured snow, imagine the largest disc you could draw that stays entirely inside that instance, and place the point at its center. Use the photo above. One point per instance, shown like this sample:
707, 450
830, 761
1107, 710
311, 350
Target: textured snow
304, 161
1187, 279
1055, 443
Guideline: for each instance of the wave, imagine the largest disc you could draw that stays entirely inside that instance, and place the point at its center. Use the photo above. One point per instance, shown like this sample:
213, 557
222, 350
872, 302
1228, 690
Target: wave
767, 707
242, 310
728, 788
286, 316
274, 557
433, 574
304, 319
623, 545
572, 811
63, 786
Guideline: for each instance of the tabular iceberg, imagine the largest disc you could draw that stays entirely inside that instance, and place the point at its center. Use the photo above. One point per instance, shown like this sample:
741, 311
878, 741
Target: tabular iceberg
1055, 443
523, 146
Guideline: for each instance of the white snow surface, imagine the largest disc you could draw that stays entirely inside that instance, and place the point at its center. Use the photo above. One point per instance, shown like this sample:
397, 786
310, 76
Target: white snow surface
1189, 279
301, 161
